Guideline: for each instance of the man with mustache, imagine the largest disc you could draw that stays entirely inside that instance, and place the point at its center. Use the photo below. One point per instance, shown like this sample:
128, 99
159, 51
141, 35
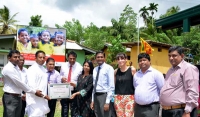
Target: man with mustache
180, 93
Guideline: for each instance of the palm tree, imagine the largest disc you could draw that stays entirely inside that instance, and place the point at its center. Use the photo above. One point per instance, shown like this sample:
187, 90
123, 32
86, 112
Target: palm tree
153, 7
144, 14
7, 21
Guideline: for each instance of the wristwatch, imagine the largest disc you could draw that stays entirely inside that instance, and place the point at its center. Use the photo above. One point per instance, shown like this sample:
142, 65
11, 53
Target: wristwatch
186, 111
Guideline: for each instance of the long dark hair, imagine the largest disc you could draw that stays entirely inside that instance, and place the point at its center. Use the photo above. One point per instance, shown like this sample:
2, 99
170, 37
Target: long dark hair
90, 65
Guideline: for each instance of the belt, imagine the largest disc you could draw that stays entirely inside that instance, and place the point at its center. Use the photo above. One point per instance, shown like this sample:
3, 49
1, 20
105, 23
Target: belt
149, 104
100, 93
13, 94
173, 107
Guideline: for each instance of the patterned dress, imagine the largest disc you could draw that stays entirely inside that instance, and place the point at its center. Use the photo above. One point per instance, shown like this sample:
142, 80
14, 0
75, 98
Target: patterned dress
85, 87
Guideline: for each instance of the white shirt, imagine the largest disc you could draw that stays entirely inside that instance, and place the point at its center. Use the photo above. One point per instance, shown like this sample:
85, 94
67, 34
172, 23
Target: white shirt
23, 73
76, 71
37, 79
13, 81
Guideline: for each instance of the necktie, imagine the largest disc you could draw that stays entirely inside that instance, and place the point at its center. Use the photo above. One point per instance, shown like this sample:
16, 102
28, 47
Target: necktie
49, 72
97, 77
69, 74
49, 75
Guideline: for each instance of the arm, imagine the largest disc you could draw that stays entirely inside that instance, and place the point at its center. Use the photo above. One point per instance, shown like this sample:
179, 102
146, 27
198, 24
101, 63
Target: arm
191, 83
15, 78
83, 92
133, 70
115, 74
111, 86
159, 78
58, 78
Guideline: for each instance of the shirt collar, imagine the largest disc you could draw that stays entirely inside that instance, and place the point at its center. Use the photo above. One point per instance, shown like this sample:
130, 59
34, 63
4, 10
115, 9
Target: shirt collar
101, 65
51, 71
15, 66
43, 42
180, 65
148, 70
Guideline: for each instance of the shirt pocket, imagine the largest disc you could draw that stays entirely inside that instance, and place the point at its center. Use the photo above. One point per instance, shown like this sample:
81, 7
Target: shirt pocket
176, 80
103, 77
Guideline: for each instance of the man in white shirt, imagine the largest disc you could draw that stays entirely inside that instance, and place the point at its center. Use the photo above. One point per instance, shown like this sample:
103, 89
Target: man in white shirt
13, 86
69, 72
37, 79
23, 72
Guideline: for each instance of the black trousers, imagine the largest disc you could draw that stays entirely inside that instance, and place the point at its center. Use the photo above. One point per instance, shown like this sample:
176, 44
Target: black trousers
52, 106
66, 103
99, 101
23, 108
178, 112
113, 112
151, 110
12, 105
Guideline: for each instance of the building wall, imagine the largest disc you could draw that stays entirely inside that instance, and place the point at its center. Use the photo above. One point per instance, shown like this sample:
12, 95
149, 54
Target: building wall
7, 44
159, 60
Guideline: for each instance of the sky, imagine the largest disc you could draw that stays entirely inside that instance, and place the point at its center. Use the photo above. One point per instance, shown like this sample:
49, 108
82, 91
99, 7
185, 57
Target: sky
100, 12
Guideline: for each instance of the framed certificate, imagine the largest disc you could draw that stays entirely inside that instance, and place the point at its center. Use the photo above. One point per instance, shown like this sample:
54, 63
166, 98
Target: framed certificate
59, 91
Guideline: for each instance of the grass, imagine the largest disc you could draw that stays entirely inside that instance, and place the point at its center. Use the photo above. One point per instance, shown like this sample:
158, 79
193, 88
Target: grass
57, 113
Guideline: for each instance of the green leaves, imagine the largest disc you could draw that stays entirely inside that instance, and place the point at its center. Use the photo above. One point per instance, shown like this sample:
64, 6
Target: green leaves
7, 21
36, 21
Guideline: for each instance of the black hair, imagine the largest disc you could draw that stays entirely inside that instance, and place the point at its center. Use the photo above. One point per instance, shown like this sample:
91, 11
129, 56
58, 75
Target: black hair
144, 55
38, 52
50, 59
72, 53
179, 49
99, 52
90, 65
12, 52
121, 55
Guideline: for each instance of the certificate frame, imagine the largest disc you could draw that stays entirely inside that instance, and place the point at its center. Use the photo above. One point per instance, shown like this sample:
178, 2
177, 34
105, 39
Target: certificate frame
59, 90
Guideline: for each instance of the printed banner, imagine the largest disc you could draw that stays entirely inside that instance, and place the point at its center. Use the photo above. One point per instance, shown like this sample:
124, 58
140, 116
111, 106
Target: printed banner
50, 40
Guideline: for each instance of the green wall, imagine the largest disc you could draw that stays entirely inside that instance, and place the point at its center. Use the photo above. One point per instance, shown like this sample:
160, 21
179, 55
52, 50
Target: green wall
6, 44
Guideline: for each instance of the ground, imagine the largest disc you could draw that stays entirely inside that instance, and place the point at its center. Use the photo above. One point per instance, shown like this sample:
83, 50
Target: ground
57, 113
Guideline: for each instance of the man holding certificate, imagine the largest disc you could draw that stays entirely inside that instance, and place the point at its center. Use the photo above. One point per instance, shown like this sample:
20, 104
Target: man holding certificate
37, 79
69, 72
53, 77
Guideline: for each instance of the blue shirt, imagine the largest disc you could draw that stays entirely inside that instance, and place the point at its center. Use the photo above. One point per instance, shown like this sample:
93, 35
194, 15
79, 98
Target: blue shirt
54, 77
105, 81
147, 86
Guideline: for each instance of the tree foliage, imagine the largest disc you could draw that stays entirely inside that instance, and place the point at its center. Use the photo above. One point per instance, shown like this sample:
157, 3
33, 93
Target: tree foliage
36, 21
7, 21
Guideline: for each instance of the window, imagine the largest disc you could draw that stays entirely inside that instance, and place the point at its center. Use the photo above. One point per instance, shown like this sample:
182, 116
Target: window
159, 49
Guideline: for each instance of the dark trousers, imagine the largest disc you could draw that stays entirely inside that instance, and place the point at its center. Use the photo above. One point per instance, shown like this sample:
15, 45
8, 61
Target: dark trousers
12, 105
178, 112
66, 103
23, 108
99, 101
151, 110
113, 112
52, 106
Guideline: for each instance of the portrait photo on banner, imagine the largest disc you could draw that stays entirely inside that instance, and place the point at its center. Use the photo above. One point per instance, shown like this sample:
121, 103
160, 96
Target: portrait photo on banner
50, 40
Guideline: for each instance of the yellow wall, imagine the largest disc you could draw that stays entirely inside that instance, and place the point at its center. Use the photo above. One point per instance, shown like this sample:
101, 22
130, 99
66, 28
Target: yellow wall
159, 60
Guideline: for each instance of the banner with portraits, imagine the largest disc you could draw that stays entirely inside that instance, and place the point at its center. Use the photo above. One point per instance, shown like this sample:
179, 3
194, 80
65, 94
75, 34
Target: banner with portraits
50, 40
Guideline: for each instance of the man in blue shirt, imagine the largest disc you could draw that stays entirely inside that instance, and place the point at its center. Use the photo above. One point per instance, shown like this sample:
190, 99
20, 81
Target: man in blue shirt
148, 83
103, 81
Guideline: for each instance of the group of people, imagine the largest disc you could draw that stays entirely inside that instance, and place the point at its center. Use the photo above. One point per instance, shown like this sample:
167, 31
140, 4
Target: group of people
51, 45
102, 91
